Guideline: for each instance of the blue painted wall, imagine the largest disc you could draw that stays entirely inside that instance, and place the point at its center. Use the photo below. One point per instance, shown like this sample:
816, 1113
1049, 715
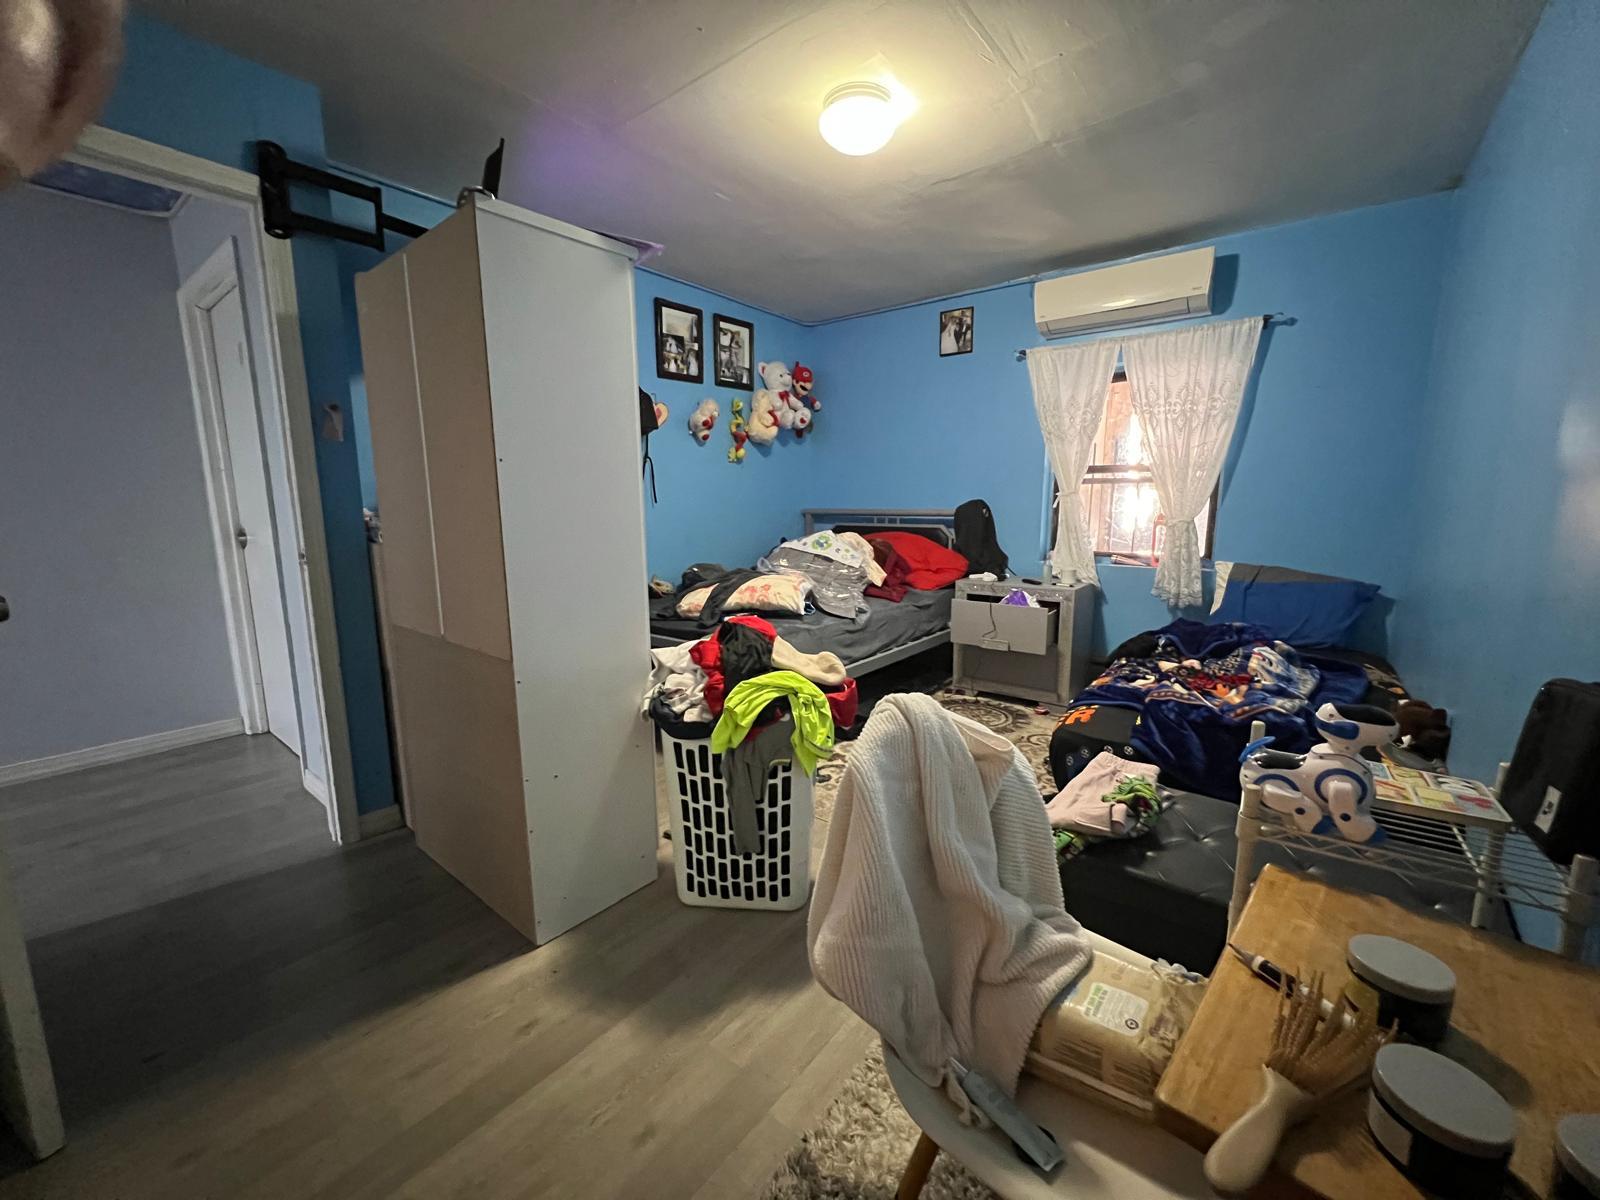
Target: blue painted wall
1319, 472
204, 101
1507, 525
711, 509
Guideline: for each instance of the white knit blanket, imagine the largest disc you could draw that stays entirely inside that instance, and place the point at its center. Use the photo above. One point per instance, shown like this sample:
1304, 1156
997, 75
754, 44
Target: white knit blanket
937, 914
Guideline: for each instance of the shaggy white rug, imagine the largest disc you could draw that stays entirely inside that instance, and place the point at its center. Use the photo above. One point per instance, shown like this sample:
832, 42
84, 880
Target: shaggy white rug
860, 1147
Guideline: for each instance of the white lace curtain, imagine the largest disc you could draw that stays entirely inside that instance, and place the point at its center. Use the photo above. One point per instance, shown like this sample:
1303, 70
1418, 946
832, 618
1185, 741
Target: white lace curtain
1187, 384
1069, 394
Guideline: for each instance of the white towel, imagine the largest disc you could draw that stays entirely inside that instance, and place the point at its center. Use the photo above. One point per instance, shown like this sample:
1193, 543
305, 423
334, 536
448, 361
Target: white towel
938, 914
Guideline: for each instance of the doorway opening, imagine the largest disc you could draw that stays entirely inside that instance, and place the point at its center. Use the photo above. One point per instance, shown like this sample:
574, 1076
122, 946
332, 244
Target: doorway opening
140, 638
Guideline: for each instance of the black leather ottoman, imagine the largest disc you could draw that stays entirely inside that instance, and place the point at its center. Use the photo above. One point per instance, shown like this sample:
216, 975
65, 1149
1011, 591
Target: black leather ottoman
1166, 894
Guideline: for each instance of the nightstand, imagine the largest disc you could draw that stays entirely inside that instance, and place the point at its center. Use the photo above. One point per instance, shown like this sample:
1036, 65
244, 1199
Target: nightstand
1039, 654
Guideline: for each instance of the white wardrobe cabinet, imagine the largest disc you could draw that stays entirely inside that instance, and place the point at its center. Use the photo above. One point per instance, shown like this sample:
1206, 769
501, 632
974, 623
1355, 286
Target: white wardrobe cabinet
501, 388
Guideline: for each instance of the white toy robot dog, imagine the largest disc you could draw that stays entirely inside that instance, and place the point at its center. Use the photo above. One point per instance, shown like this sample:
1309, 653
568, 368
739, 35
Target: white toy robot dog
1330, 786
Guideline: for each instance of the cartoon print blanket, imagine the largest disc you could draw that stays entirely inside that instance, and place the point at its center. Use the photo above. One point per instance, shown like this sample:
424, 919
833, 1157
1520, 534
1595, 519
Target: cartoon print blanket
1201, 688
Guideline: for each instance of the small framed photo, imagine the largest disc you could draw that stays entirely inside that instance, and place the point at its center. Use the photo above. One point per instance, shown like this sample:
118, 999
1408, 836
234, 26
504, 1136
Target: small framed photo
679, 342
735, 343
955, 331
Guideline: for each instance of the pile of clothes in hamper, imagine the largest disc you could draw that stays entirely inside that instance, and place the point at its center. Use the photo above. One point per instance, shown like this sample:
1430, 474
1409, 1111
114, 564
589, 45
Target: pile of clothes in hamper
759, 701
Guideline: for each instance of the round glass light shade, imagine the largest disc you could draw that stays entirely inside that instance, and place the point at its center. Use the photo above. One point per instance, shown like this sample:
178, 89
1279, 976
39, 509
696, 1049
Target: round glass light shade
857, 118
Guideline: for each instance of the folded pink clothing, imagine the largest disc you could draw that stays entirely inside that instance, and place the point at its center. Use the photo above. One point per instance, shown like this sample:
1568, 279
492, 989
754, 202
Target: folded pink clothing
1081, 805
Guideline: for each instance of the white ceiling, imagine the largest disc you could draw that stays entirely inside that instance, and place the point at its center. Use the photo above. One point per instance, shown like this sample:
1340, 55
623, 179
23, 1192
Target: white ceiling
1048, 134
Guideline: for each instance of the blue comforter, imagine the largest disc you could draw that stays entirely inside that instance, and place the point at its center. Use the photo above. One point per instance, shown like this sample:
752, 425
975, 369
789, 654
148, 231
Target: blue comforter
1205, 684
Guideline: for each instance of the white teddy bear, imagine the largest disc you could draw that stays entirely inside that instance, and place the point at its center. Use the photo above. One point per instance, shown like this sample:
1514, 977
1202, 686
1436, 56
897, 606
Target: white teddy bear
704, 419
769, 407
763, 418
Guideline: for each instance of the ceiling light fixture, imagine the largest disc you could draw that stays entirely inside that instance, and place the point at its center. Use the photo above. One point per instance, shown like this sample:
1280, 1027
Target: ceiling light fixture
858, 118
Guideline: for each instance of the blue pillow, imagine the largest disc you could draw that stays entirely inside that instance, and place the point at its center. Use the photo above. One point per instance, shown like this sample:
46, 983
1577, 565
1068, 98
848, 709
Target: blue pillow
1293, 606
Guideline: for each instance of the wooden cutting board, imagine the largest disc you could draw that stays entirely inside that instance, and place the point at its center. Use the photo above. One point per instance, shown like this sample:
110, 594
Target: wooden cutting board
1525, 1020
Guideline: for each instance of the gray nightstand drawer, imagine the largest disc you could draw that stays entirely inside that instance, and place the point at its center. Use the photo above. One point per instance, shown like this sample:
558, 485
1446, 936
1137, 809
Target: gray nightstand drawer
1008, 627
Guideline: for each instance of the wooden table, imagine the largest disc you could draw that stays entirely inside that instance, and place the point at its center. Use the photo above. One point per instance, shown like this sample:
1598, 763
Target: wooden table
1525, 1020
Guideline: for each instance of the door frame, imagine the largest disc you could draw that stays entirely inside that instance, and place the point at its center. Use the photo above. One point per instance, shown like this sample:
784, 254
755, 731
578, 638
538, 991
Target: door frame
285, 374
210, 282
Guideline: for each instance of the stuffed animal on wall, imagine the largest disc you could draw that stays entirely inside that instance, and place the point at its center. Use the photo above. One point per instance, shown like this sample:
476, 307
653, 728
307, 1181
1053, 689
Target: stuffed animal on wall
736, 427
704, 419
1329, 788
775, 376
786, 407
802, 397
763, 426
784, 403
804, 381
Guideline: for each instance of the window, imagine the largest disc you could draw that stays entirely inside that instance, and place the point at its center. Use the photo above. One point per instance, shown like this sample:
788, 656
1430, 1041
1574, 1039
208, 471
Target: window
1117, 492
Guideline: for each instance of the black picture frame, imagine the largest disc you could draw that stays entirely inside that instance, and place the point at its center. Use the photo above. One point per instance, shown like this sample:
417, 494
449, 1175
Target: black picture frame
958, 322
743, 333
680, 342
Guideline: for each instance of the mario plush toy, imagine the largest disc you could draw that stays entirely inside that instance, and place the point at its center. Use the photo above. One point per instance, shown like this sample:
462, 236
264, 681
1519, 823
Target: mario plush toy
804, 380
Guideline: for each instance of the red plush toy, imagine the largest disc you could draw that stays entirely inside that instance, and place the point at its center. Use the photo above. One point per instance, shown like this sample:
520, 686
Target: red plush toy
803, 382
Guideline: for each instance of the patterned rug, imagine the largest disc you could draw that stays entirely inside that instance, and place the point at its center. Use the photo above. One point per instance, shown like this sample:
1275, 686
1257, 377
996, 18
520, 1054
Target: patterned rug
1016, 720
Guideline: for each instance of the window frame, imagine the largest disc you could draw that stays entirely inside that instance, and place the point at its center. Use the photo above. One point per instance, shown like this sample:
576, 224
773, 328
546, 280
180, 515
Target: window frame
1206, 551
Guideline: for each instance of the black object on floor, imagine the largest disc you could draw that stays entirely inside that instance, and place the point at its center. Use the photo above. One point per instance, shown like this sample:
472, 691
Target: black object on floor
925, 672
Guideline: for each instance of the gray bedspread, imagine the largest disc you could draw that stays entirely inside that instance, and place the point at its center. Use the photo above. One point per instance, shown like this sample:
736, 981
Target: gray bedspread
884, 626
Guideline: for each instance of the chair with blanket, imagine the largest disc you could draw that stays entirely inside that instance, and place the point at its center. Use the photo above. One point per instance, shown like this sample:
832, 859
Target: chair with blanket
937, 918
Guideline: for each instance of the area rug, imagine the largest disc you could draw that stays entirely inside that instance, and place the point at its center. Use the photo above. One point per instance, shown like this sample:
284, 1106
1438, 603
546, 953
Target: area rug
1027, 730
860, 1147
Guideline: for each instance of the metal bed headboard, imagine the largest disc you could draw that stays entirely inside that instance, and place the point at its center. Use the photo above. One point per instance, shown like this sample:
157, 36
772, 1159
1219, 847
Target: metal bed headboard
937, 523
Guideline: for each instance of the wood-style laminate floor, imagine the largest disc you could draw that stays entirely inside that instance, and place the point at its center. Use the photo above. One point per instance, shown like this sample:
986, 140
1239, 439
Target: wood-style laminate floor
356, 1024
110, 840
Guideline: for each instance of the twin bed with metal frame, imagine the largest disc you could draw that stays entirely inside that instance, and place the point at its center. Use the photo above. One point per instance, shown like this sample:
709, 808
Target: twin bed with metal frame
888, 632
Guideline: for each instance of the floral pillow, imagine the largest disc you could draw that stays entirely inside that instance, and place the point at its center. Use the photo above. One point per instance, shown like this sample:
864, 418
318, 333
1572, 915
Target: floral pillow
764, 593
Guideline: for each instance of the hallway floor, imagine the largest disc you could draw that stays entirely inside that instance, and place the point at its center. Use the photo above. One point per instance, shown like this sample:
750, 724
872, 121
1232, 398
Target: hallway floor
356, 1024
110, 840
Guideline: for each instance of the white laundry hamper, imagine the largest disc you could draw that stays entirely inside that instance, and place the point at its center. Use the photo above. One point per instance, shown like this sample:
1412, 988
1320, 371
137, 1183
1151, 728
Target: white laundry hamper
777, 875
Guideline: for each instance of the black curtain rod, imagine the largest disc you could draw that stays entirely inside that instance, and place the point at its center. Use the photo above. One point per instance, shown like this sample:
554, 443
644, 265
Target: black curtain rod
1277, 318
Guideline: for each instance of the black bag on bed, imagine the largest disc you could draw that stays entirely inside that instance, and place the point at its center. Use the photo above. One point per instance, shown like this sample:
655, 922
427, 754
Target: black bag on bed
976, 540
1552, 784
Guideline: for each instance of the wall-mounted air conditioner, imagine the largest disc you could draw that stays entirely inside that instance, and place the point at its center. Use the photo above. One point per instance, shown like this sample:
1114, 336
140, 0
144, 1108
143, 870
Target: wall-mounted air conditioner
1153, 289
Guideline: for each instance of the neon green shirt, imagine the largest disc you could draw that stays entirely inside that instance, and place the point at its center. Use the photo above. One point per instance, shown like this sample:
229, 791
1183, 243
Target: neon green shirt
813, 719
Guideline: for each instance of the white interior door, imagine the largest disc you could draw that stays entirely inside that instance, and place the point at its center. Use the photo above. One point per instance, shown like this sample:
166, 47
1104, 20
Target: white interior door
224, 328
226, 396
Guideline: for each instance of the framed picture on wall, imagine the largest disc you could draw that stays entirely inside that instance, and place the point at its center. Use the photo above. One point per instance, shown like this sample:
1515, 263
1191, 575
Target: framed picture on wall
955, 331
679, 342
735, 343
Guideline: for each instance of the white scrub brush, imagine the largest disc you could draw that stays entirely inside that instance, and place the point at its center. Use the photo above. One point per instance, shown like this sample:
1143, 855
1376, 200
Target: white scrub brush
1310, 1060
